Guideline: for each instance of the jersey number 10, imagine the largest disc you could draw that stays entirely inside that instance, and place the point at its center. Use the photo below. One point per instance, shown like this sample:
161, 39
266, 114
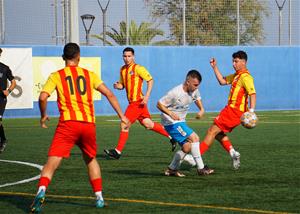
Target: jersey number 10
80, 84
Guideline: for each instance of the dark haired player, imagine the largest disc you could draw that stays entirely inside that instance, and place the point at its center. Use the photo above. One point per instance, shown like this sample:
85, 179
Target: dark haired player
75, 87
132, 77
174, 107
242, 87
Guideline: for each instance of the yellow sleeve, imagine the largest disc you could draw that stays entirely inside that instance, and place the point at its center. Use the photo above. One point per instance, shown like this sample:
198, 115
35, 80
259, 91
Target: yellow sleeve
96, 81
143, 73
248, 84
50, 84
229, 78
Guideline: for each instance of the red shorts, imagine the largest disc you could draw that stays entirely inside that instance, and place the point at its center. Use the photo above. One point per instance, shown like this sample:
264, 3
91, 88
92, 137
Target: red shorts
137, 111
69, 133
228, 119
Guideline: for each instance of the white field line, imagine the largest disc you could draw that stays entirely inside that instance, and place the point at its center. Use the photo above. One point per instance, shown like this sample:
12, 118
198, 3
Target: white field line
25, 180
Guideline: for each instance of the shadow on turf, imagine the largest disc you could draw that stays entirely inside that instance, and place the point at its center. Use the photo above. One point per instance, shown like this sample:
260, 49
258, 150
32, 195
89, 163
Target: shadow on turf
19, 202
23, 203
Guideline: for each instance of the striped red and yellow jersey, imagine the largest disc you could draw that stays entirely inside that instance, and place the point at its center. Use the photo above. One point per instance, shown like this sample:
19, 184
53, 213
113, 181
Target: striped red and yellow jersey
242, 85
74, 87
131, 77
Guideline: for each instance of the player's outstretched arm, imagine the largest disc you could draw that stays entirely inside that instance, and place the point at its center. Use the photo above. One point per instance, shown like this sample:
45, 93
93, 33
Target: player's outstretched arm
219, 76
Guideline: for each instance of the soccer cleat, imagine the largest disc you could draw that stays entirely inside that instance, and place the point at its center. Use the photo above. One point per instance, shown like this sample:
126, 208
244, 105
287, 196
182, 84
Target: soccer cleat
99, 203
36, 205
205, 171
236, 162
3, 145
112, 153
171, 172
173, 144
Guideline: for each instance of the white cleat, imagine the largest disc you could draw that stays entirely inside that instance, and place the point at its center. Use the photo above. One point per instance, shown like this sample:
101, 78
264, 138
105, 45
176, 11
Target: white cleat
236, 162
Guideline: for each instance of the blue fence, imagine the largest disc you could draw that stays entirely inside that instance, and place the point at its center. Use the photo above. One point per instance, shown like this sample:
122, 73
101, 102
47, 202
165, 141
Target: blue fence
276, 72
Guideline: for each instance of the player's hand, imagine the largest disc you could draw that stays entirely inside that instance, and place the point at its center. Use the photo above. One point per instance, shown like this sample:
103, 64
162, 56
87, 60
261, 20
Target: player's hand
174, 116
43, 121
118, 85
125, 123
5, 92
213, 62
199, 115
145, 101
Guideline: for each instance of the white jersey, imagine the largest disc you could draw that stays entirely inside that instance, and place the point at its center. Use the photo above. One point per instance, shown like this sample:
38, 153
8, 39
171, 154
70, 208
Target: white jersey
178, 101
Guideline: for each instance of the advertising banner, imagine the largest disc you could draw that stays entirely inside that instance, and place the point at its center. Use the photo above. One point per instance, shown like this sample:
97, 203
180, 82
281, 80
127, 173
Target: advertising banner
19, 60
44, 66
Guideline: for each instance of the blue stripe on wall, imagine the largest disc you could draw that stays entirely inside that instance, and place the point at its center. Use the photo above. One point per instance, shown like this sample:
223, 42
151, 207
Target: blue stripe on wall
275, 69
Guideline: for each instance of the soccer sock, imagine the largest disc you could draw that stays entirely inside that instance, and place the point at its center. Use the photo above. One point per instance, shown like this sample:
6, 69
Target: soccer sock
160, 129
122, 141
189, 158
195, 151
96, 185
2, 134
99, 195
203, 147
178, 156
226, 145
43, 183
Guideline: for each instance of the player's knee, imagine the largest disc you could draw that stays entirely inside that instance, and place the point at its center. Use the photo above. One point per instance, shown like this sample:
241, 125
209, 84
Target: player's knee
194, 137
186, 148
148, 124
211, 131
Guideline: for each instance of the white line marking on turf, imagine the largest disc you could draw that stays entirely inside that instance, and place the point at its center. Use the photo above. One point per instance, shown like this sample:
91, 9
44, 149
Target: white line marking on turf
25, 180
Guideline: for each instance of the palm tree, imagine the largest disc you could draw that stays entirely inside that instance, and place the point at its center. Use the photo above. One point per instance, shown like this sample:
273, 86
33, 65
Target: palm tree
138, 35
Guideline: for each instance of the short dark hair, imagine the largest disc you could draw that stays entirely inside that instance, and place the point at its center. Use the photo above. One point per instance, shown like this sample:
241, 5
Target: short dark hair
128, 49
70, 51
0, 50
194, 74
240, 55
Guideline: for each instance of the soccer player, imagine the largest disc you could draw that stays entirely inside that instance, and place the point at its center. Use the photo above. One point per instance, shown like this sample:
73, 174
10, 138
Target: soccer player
242, 87
5, 74
174, 107
132, 76
74, 86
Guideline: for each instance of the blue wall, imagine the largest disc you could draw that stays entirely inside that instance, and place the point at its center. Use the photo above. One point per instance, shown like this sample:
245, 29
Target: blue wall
276, 72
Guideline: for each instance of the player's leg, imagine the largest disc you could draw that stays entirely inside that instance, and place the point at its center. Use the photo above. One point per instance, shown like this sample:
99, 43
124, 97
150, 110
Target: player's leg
131, 113
94, 173
228, 119
226, 143
209, 138
193, 147
88, 146
3, 140
47, 173
146, 121
172, 169
178, 157
63, 141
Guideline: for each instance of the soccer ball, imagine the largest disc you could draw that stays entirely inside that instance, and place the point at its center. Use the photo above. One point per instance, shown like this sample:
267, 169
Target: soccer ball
249, 120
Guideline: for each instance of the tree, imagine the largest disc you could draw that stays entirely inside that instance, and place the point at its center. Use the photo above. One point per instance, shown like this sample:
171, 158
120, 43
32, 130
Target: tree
212, 22
138, 35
